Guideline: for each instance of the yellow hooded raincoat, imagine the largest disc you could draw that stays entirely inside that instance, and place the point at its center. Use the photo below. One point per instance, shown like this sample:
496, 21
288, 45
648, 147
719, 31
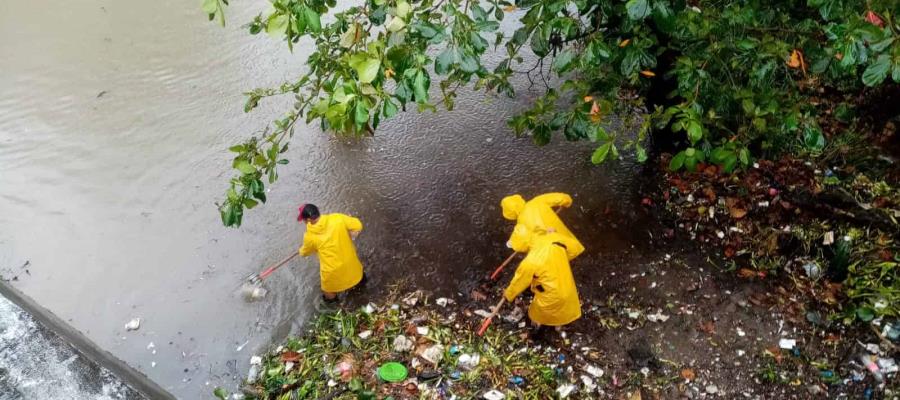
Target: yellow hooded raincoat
546, 271
535, 215
339, 267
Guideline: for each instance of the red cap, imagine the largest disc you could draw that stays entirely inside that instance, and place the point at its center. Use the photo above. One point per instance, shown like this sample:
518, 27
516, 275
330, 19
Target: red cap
300, 216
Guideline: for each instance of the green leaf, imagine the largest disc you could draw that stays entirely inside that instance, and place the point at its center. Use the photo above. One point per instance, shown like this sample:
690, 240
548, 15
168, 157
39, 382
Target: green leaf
663, 16
420, 86
601, 153
876, 72
813, 138
220, 393
562, 61
444, 61
539, 44
395, 25
640, 153
250, 203
403, 9
244, 166
677, 162
348, 38
694, 131
390, 109
865, 314
361, 112
468, 63
277, 24
210, 6
312, 20
366, 67
638, 9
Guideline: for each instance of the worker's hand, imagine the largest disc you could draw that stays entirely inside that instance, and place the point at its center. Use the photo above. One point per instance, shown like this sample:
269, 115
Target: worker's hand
508, 244
551, 230
353, 235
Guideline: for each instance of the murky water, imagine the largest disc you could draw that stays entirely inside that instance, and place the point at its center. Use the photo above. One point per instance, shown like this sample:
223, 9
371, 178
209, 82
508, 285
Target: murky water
37, 364
113, 123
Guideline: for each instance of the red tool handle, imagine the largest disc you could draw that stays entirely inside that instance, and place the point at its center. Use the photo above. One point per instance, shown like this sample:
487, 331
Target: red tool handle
500, 268
487, 321
270, 270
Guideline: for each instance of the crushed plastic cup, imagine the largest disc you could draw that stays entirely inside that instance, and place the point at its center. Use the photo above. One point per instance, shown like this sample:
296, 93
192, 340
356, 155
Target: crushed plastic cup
787, 344
493, 395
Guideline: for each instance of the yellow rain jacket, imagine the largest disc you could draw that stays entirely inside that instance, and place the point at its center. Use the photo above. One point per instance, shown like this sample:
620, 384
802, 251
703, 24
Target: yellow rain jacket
535, 215
339, 267
546, 271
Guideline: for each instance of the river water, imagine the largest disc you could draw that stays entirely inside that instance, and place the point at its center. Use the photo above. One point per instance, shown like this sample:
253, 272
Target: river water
37, 364
114, 121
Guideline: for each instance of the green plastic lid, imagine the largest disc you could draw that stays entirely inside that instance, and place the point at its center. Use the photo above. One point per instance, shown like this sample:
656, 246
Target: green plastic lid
392, 372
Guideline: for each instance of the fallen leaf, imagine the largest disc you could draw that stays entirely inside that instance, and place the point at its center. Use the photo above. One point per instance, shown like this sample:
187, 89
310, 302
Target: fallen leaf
796, 61
648, 73
708, 327
389, 73
746, 273
290, 356
688, 374
588, 99
735, 209
624, 42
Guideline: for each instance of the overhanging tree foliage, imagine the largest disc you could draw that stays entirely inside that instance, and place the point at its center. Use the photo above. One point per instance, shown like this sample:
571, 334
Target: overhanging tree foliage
724, 80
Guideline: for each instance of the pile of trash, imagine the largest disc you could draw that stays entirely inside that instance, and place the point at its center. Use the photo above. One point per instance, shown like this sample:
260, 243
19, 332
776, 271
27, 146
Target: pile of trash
413, 348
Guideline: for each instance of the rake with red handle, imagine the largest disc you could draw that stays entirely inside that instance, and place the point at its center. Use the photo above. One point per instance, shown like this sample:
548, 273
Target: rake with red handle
257, 278
487, 321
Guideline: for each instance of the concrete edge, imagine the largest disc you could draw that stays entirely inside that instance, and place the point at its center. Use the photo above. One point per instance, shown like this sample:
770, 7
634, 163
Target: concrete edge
85, 346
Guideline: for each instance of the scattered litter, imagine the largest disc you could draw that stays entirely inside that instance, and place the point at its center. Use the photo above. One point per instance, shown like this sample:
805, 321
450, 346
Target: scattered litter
594, 371
468, 362
150, 346
740, 332
565, 390
422, 330
633, 314
365, 334
369, 308
812, 270
828, 239
517, 380
494, 395
787, 344
434, 354
515, 315
402, 344
870, 364
482, 313
153, 364
133, 325
712, 389
658, 317
412, 299
891, 331
241, 347
443, 301
888, 365
588, 383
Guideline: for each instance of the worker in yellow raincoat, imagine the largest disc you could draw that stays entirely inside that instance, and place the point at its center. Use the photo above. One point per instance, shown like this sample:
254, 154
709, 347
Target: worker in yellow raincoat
545, 269
331, 236
535, 214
